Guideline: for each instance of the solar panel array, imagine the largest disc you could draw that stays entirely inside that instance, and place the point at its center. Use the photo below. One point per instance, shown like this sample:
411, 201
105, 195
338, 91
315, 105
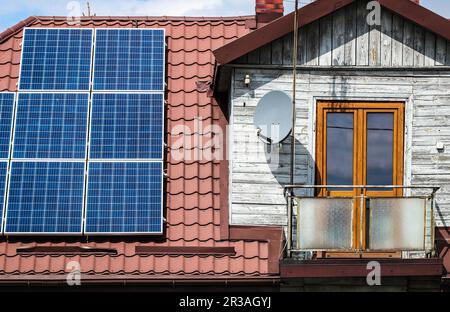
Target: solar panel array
86, 152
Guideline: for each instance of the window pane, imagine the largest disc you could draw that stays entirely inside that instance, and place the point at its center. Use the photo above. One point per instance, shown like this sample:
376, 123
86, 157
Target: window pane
380, 144
340, 149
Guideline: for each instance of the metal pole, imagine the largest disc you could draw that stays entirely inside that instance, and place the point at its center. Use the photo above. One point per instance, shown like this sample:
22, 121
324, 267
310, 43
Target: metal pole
294, 82
294, 90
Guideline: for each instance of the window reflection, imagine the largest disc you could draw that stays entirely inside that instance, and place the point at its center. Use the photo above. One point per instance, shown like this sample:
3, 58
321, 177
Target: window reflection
340, 149
380, 143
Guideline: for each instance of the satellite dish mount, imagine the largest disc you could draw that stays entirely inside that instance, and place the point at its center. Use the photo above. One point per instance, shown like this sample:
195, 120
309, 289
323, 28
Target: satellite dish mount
273, 117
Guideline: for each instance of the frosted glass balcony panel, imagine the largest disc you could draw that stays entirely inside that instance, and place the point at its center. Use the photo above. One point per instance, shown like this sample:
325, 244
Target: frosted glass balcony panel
397, 223
324, 224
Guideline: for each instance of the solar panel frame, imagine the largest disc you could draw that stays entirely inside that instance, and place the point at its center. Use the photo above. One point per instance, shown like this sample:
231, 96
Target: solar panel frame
91, 114
19, 83
6, 160
161, 210
4, 190
130, 90
11, 125
43, 233
16, 114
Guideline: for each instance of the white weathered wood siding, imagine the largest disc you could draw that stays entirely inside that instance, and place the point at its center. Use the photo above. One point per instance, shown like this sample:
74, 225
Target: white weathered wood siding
376, 55
256, 188
397, 61
345, 39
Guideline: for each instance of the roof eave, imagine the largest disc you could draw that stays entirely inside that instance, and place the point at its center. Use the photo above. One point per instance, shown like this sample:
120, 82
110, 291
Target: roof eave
16, 28
32, 19
142, 279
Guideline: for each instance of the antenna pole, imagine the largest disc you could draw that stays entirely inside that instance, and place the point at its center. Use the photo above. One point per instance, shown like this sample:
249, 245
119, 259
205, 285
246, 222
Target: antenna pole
294, 90
290, 202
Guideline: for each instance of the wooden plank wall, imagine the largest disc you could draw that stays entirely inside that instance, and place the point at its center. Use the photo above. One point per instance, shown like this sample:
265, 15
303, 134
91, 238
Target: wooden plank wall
345, 39
256, 188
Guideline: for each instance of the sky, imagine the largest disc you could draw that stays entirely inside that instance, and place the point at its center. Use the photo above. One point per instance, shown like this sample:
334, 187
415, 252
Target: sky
13, 11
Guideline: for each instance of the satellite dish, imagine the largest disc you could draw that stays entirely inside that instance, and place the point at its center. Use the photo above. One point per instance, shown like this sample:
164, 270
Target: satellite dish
273, 117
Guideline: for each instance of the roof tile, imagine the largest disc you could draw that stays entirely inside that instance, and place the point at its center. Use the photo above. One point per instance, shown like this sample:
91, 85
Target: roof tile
193, 187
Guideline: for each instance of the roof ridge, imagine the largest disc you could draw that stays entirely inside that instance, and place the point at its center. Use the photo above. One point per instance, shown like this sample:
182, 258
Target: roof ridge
17, 27
149, 18
31, 19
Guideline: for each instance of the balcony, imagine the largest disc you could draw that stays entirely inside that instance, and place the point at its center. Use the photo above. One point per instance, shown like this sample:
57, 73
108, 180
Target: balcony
360, 225
335, 237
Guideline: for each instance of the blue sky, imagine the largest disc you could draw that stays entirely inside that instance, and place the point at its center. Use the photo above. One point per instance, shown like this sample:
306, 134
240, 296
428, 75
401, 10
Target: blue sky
13, 11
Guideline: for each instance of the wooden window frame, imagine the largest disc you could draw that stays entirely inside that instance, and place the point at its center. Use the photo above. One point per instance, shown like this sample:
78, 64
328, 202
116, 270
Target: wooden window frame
360, 111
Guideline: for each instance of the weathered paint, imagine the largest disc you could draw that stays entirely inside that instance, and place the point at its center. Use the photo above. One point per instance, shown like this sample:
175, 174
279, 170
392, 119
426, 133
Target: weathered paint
256, 189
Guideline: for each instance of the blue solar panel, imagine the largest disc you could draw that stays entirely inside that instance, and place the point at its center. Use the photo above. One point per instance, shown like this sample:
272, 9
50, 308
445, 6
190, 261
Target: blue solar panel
6, 110
49, 192
124, 198
127, 126
129, 59
56, 59
3, 171
51, 126
45, 197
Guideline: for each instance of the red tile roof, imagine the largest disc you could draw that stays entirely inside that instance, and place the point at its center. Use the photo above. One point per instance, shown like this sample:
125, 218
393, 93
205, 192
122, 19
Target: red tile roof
196, 191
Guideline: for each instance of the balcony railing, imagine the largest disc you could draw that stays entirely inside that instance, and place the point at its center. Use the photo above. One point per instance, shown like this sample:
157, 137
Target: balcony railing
360, 223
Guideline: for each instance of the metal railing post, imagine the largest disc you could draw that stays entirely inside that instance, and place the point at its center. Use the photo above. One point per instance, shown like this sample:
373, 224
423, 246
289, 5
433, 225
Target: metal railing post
289, 224
432, 224
361, 205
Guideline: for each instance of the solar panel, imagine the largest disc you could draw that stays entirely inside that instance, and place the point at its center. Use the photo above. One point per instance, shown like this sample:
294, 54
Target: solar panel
124, 197
129, 59
6, 112
51, 126
69, 102
45, 197
127, 126
3, 172
56, 59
